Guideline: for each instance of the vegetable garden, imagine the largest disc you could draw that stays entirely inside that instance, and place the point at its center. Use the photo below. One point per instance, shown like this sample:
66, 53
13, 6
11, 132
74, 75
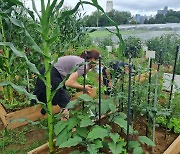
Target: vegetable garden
141, 115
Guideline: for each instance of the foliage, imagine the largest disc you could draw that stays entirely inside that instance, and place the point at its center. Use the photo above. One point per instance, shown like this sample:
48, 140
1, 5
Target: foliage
178, 68
167, 43
170, 17
98, 19
133, 47
90, 135
173, 124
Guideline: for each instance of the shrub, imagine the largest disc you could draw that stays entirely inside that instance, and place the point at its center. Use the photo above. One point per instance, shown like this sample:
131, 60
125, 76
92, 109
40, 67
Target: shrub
167, 43
133, 47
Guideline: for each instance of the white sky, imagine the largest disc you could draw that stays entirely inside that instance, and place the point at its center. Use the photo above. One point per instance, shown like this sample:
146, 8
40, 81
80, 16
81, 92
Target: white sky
143, 7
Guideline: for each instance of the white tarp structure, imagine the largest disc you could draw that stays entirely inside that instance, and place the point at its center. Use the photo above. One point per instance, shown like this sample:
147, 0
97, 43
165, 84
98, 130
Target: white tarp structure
167, 77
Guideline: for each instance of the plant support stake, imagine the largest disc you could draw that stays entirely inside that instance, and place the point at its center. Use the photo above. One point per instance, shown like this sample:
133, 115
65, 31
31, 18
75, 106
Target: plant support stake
129, 105
155, 98
84, 81
99, 90
172, 83
149, 92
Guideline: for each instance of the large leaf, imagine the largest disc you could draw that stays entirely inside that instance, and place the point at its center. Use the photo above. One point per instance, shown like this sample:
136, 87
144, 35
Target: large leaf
15, 2
60, 126
17, 22
104, 106
72, 104
33, 43
86, 122
22, 55
62, 137
114, 137
72, 122
97, 132
71, 142
122, 123
116, 148
86, 98
144, 139
18, 88
134, 144
112, 107
137, 150
82, 132
92, 149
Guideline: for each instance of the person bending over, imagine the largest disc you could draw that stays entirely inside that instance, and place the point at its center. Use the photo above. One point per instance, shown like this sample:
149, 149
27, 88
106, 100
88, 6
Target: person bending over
59, 71
113, 72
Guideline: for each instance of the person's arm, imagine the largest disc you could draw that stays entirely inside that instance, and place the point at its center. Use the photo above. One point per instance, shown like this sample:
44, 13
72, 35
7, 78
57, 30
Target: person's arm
72, 82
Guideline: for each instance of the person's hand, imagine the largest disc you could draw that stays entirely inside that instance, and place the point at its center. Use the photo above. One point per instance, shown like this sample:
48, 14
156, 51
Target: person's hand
88, 88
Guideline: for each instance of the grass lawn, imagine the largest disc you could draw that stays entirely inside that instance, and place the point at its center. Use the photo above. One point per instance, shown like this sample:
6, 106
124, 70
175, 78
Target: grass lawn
104, 33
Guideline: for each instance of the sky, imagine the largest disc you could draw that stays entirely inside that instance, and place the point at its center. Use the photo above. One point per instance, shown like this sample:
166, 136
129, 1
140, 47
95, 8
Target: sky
143, 7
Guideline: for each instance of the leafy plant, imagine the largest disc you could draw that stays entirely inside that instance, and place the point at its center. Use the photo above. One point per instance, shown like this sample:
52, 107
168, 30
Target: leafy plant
173, 124
133, 47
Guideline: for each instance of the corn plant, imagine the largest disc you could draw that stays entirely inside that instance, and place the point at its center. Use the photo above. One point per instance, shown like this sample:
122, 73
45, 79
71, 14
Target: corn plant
49, 32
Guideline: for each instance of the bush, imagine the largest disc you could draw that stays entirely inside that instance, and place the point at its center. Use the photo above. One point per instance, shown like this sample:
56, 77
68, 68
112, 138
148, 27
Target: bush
133, 47
167, 43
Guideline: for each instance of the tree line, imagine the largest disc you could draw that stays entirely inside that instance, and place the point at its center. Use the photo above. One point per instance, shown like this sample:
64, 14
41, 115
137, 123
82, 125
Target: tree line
170, 17
97, 19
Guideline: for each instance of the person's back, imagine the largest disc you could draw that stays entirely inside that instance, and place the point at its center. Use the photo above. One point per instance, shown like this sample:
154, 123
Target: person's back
65, 64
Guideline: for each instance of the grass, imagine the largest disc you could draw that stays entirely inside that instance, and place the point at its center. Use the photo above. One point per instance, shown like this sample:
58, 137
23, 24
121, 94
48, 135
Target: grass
105, 33
23, 139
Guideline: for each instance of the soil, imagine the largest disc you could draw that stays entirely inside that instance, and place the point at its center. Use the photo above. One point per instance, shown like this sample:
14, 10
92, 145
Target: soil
161, 143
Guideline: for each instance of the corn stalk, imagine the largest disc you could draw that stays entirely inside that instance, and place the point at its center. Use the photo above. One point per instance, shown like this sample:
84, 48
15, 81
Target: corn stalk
8, 91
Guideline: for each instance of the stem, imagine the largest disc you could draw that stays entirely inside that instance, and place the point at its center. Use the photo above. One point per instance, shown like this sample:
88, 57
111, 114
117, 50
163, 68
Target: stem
8, 90
48, 94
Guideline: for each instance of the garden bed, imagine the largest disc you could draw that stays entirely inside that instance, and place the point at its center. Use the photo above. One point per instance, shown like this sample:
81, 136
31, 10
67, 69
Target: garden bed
14, 119
162, 144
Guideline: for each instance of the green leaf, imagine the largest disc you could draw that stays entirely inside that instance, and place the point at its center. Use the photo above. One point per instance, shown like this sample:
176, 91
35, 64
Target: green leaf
137, 150
97, 132
18, 88
86, 122
122, 123
16, 2
62, 137
71, 142
22, 55
17, 22
144, 139
134, 144
72, 104
33, 43
60, 126
86, 98
82, 132
114, 137
122, 115
104, 106
98, 143
92, 149
116, 148
112, 107
72, 122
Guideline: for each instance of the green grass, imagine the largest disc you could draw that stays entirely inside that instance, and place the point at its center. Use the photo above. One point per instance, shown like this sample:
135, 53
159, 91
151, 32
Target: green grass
105, 33
23, 139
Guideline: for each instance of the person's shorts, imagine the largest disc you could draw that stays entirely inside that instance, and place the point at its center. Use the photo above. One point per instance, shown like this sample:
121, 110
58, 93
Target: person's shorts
61, 97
